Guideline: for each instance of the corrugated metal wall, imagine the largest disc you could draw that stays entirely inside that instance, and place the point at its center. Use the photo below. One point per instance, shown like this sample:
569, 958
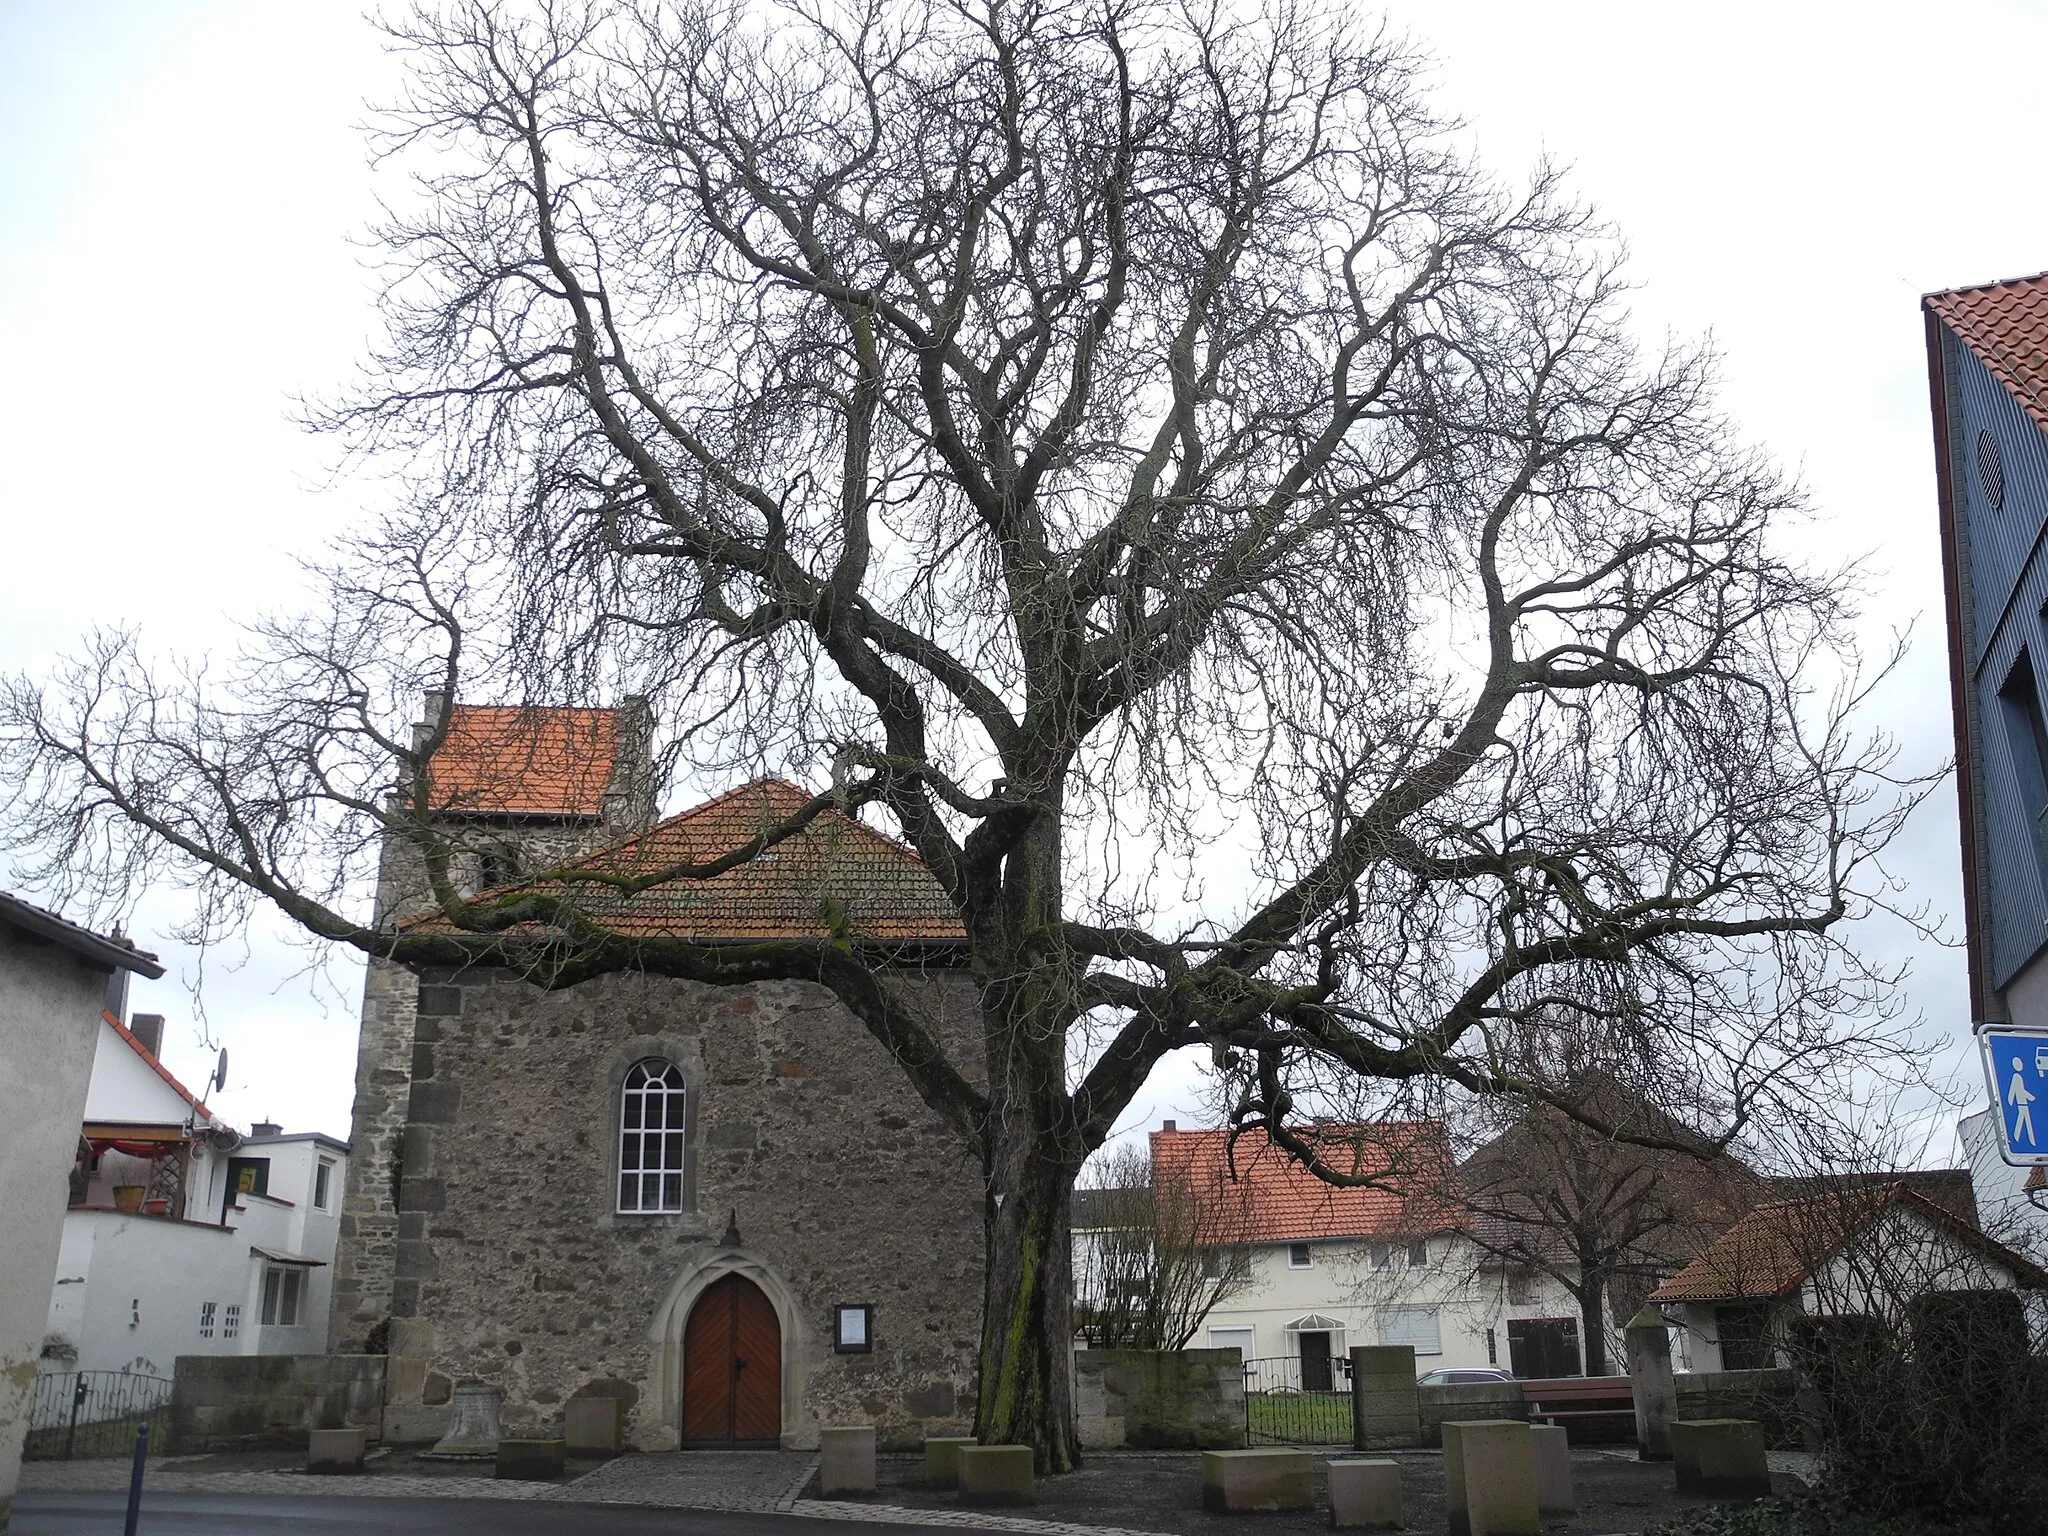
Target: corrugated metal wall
2009, 586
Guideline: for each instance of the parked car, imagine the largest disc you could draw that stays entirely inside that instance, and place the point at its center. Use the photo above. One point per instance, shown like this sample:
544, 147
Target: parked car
1466, 1378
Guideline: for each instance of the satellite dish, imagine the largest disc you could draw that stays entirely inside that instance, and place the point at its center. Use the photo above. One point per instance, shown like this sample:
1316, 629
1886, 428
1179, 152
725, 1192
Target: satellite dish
220, 1071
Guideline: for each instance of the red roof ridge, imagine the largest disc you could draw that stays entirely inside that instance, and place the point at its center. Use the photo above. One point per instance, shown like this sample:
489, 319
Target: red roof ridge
155, 1065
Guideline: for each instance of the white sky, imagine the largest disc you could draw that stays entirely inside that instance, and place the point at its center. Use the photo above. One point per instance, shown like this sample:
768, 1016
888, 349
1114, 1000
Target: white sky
179, 185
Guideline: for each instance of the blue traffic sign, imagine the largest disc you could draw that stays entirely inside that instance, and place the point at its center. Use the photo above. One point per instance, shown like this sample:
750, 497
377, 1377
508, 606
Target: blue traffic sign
2016, 1069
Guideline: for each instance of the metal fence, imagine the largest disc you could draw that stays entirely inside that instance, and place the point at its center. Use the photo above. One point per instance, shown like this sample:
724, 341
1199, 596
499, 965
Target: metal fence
1291, 1402
95, 1413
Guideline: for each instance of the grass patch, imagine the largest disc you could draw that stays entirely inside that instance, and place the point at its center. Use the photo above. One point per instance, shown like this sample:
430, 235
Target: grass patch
1299, 1418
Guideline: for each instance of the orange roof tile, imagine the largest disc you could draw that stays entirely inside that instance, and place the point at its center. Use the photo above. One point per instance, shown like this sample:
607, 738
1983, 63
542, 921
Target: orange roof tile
2006, 325
515, 760
1287, 1203
1776, 1247
881, 886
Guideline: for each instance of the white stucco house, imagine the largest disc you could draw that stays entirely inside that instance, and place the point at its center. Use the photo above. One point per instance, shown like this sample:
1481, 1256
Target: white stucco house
182, 1236
2012, 1203
1846, 1252
55, 978
1332, 1267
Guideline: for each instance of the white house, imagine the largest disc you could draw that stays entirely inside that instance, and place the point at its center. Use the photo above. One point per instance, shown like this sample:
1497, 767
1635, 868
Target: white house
54, 979
2012, 1203
1852, 1251
1332, 1267
183, 1237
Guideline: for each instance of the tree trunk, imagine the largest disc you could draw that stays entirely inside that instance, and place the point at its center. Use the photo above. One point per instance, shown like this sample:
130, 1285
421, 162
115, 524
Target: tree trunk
1592, 1321
1027, 1322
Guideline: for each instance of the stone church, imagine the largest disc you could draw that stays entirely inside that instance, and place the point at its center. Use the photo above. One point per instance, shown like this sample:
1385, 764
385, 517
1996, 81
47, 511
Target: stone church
723, 1205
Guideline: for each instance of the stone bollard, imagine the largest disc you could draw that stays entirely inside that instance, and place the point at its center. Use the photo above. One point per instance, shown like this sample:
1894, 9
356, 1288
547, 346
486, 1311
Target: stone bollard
591, 1427
1553, 1454
1722, 1458
1365, 1495
1240, 1482
530, 1461
1490, 1478
1651, 1383
996, 1474
336, 1450
942, 1459
1386, 1405
846, 1460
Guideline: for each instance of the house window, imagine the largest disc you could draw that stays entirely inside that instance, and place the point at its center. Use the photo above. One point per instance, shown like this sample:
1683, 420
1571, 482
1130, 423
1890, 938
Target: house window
1745, 1337
2026, 740
653, 1139
1415, 1326
1239, 1339
282, 1288
323, 1178
1382, 1255
231, 1320
1418, 1254
206, 1311
1298, 1256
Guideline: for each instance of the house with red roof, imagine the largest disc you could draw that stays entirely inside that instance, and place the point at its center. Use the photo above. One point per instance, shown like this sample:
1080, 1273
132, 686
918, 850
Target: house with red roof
722, 1207
1848, 1249
1383, 1261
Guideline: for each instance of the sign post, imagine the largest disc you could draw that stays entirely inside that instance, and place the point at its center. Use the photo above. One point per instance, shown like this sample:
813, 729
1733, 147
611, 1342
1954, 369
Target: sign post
2016, 1071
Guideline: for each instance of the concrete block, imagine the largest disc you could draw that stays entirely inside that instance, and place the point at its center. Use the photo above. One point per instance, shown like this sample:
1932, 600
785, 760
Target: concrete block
336, 1450
531, 1461
942, 1459
1652, 1384
846, 1460
1721, 1458
996, 1474
1239, 1482
591, 1426
1490, 1478
1553, 1470
1385, 1403
1365, 1494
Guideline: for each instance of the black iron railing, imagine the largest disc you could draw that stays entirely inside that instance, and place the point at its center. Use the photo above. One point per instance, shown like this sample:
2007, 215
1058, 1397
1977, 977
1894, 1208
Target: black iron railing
95, 1413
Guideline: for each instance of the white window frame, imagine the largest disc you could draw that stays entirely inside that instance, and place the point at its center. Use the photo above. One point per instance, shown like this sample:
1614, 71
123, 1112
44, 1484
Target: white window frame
653, 1086
1300, 1256
1403, 1325
231, 1320
323, 1183
284, 1295
207, 1309
1247, 1351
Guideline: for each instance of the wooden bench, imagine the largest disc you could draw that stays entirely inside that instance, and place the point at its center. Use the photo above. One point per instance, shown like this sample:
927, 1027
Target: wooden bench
1566, 1398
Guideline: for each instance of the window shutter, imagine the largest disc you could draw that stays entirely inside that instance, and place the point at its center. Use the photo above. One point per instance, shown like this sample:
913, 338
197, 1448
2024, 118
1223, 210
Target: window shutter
1415, 1326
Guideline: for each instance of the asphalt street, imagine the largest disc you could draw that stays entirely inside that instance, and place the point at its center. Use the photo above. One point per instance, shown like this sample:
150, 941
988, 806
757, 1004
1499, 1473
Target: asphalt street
199, 1514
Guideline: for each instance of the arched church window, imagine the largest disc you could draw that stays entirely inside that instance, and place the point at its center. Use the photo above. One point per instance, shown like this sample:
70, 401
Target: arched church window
653, 1138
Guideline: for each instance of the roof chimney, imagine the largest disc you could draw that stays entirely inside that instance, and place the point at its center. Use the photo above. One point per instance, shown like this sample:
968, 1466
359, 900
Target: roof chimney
1169, 1125
148, 1029
117, 993
266, 1128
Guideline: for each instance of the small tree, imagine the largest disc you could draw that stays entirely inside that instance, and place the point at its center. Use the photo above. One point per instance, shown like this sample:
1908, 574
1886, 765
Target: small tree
1157, 1255
1604, 1217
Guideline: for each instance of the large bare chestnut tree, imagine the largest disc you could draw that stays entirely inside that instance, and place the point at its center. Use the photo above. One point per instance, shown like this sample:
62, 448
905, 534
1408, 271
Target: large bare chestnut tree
1126, 447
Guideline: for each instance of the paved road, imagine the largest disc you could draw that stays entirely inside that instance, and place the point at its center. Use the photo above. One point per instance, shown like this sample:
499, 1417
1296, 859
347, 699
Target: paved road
200, 1514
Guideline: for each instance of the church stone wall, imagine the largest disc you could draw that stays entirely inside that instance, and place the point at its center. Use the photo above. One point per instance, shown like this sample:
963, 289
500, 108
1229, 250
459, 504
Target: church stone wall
511, 1266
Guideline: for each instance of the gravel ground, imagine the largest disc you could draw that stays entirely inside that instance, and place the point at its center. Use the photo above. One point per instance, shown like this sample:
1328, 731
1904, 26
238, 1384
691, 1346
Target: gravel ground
1163, 1492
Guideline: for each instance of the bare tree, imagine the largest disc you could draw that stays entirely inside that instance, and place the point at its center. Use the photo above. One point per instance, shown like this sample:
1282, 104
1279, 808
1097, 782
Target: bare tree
1157, 1254
1606, 1218
1234, 541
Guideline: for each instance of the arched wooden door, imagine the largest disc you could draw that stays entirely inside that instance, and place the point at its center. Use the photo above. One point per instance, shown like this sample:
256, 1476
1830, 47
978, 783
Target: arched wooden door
732, 1368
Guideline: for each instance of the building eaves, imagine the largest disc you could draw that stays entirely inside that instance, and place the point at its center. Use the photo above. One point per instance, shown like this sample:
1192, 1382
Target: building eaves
2006, 325
114, 954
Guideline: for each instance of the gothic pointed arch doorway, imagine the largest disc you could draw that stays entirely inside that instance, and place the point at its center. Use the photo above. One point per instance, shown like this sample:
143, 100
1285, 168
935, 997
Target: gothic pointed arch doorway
732, 1368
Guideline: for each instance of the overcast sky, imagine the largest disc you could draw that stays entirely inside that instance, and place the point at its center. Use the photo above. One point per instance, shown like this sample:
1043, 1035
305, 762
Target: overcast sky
180, 184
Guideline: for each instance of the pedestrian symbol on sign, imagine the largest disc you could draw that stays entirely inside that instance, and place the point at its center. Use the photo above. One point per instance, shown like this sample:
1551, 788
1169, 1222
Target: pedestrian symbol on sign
2016, 1072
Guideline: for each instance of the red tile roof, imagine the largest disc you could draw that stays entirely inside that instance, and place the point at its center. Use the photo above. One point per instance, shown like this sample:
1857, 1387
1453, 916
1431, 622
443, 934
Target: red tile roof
1775, 1248
882, 887
2006, 325
514, 760
1287, 1203
155, 1066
